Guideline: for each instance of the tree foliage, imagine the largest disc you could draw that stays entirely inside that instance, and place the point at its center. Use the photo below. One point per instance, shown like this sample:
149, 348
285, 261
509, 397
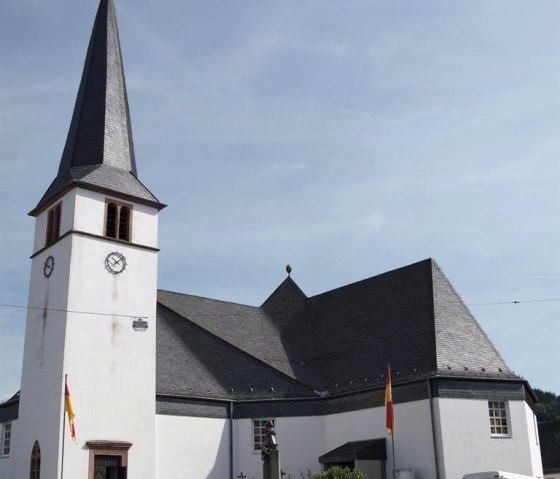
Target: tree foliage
548, 406
340, 473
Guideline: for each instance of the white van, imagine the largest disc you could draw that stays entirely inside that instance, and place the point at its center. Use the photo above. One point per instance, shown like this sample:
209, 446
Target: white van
496, 475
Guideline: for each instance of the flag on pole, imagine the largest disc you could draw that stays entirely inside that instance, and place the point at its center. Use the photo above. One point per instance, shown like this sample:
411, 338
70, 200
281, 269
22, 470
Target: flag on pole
390, 418
69, 408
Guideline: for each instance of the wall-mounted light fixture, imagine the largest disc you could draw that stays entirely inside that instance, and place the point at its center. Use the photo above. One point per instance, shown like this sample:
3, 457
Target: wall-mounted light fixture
139, 324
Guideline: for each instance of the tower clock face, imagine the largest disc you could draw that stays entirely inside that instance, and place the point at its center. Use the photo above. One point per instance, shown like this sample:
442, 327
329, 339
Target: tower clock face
48, 266
115, 262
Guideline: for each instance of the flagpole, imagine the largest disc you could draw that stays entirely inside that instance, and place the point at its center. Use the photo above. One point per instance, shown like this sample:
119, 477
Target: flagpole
390, 416
393, 448
63, 428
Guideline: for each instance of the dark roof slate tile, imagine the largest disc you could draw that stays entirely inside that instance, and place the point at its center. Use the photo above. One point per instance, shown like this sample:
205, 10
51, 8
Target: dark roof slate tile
99, 151
341, 340
461, 342
245, 327
193, 362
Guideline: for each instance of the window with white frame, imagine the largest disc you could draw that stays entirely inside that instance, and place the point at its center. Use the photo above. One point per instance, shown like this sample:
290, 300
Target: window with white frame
259, 432
499, 425
6, 439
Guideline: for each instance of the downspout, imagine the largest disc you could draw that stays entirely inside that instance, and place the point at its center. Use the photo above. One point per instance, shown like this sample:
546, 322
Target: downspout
231, 439
433, 427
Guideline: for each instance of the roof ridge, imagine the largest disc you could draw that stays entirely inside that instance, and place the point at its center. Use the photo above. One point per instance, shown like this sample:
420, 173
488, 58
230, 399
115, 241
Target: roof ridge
370, 278
207, 299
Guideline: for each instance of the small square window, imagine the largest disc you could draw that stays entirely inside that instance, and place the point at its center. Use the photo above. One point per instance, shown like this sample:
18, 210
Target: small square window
497, 411
259, 432
6, 439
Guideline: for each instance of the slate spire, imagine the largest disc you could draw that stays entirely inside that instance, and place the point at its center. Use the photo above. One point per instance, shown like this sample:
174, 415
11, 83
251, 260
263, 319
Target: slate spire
99, 151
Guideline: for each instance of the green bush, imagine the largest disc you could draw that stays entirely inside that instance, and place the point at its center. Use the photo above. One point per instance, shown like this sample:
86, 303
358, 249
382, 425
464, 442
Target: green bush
340, 473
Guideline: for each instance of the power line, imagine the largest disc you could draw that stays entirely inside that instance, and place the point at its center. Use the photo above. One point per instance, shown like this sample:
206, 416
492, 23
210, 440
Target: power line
515, 302
18, 306
95, 313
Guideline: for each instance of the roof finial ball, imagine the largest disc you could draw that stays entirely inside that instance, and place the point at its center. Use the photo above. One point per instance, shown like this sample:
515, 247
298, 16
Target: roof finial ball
288, 269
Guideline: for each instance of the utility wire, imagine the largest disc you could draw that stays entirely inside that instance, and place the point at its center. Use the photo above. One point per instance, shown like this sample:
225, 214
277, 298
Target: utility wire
235, 314
515, 302
73, 311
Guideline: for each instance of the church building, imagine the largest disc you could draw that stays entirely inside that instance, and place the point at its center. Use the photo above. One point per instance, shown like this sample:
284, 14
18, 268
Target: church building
167, 385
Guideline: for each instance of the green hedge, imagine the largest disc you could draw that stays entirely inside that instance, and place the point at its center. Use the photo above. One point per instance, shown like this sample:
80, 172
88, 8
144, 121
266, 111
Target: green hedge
340, 473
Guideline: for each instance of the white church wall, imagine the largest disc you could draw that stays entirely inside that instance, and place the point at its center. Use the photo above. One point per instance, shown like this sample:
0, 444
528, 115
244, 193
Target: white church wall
468, 446
534, 440
413, 436
66, 221
245, 459
89, 210
414, 439
41, 396
6, 460
6, 467
145, 225
110, 367
372, 469
81, 211
301, 441
191, 447
90, 207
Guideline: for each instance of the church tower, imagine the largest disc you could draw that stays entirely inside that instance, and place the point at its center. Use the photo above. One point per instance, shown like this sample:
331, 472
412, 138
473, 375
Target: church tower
92, 294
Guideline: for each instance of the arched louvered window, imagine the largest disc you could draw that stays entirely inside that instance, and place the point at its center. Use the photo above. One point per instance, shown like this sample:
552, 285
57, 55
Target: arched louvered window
53, 224
118, 220
111, 223
35, 466
124, 223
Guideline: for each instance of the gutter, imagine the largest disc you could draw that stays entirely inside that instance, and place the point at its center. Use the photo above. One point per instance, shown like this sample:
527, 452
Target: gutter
231, 439
432, 419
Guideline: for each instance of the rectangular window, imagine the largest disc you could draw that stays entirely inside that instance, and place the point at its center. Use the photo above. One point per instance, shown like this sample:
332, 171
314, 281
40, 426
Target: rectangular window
108, 459
259, 432
6, 439
53, 224
498, 418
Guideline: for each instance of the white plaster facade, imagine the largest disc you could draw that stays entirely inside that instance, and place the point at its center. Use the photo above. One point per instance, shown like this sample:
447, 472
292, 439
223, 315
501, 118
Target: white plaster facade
467, 446
199, 447
192, 447
80, 324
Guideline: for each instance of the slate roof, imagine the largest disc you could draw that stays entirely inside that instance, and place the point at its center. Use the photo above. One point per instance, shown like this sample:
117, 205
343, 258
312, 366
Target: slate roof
335, 342
368, 450
9, 409
99, 151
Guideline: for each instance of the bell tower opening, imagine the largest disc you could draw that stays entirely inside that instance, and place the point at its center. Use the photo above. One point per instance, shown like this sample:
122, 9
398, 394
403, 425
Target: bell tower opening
53, 224
118, 221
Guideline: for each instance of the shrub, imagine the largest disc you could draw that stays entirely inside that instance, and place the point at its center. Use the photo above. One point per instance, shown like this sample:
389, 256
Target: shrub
340, 473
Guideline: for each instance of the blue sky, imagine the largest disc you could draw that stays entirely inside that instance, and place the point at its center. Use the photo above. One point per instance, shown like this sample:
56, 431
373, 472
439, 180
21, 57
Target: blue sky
345, 138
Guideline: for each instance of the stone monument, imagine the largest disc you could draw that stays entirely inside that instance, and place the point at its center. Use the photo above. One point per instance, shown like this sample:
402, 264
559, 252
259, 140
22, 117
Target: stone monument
270, 454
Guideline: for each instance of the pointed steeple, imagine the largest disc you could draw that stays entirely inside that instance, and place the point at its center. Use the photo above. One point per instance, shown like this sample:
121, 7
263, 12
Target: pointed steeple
99, 152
